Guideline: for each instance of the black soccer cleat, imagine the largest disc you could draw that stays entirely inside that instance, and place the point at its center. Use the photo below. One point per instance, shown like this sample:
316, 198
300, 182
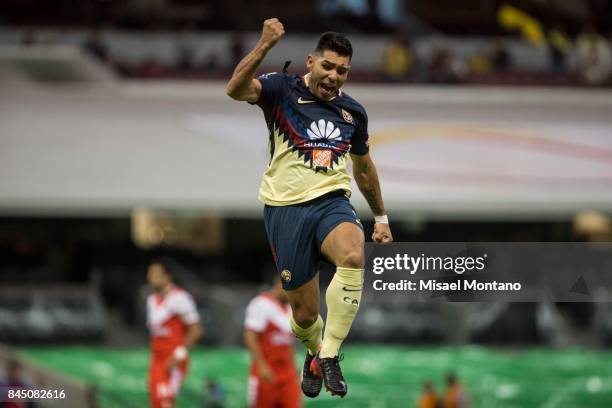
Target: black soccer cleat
311, 377
332, 376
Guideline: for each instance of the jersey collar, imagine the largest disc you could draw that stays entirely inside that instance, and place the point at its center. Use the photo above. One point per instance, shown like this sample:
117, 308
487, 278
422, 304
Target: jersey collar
159, 297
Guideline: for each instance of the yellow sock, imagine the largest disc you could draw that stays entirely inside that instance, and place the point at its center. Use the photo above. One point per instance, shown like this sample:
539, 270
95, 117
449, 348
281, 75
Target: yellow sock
311, 336
342, 297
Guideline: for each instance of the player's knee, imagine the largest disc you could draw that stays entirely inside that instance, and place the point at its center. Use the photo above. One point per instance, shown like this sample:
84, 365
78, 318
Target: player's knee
352, 259
305, 317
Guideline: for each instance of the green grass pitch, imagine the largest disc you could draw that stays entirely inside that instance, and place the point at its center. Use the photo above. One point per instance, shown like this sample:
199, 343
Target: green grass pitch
378, 376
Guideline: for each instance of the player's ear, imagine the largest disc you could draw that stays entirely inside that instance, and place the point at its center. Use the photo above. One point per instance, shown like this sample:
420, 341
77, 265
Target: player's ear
309, 61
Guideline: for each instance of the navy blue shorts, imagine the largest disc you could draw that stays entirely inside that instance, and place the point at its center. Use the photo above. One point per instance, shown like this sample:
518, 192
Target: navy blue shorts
296, 233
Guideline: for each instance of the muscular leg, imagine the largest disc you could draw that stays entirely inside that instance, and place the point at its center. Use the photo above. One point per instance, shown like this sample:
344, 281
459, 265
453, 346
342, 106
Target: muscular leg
344, 247
306, 323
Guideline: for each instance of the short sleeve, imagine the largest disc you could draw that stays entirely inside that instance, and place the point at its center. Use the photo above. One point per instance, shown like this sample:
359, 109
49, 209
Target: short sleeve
271, 88
185, 307
359, 141
255, 318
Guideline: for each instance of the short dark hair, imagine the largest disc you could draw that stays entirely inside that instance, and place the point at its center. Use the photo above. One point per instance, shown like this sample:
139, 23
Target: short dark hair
335, 42
166, 264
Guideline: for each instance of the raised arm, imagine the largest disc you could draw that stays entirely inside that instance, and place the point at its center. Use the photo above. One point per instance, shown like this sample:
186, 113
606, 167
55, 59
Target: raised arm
366, 178
242, 86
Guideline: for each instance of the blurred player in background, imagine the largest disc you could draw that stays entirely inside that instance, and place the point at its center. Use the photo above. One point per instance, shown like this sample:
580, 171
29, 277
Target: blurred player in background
273, 381
174, 324
429, 398
455, 396
312, 126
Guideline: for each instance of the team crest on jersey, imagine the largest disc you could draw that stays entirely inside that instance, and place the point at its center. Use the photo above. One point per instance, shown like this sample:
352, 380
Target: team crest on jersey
347, 116
286, 276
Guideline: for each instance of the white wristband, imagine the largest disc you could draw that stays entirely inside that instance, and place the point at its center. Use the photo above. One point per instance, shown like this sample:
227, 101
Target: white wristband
381, 219
180, 353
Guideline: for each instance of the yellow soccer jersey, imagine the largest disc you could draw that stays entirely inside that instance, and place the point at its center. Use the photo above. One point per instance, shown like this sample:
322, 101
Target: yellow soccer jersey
308, 139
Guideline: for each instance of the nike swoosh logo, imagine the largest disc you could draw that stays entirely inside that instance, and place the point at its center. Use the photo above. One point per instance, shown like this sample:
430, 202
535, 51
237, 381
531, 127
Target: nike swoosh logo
350, 290
304, 101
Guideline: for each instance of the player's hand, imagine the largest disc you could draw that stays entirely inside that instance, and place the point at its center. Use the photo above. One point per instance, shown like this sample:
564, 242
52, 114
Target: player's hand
271, 32
382, 234
265, 372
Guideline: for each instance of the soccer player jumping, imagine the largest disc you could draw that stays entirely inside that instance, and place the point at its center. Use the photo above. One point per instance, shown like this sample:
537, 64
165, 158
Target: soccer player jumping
305, 188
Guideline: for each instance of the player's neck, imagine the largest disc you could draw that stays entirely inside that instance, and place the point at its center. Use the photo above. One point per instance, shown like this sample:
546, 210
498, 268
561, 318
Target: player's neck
165, 290
306, 79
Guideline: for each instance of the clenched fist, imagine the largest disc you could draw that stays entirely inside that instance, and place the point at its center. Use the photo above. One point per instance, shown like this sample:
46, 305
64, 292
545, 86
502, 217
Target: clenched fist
271, 32
382, 234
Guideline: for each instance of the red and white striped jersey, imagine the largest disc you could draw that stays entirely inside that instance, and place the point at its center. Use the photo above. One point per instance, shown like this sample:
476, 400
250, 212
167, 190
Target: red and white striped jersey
168, 317
270, 319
